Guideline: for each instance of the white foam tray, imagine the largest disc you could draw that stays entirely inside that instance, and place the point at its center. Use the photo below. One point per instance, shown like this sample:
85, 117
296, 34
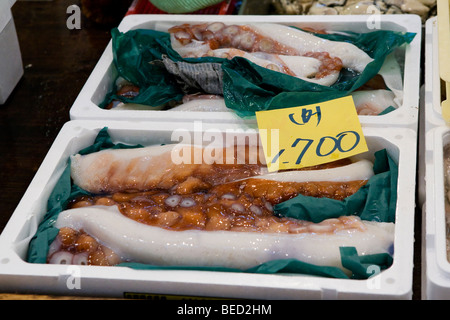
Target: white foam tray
100, 81
435, 266
430, 114
431, 110
434, 135
16, 275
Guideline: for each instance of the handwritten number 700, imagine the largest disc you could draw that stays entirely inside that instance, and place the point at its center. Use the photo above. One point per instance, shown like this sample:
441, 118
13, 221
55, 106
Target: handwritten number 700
319, 152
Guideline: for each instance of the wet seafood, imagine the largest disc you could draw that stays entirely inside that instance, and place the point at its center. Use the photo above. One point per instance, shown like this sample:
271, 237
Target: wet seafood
244, 205
160, 167
121, 239
359, 170
163, 167
314, 65
318, 68
198, 40
203, 208
213, 105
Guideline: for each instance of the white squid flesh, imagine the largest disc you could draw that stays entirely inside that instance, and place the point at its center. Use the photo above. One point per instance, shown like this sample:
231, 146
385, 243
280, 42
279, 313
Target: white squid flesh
359, 170
217, 226
134, 241
216, 104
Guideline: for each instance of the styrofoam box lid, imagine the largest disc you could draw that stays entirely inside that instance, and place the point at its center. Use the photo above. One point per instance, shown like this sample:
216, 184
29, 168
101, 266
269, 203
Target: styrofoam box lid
101, 79
430, 102
435, 263
19, 276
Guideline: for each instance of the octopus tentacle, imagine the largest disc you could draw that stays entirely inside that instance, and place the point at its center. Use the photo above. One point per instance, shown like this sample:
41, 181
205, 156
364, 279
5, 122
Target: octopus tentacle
138, 242
162, 167
238, 206
275, 39
310, 68
155, 209
303, 42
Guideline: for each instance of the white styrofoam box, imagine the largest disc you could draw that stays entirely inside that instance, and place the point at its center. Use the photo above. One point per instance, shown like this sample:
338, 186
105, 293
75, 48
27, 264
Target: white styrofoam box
20, 276
435, 266
11, 68
432, 80
101, 79
430, 108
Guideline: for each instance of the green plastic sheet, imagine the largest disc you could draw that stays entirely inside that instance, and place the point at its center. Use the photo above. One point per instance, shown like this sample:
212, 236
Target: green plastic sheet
64, 191
247, 87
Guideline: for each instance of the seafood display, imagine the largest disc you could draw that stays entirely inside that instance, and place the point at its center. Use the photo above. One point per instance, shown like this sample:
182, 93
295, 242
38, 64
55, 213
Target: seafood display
324, 60
129, 240
185, 166
447, 196
291, 51
424, 8
146, 207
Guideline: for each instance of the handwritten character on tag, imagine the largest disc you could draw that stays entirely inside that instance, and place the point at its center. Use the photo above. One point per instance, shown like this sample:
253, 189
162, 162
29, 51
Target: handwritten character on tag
306, 116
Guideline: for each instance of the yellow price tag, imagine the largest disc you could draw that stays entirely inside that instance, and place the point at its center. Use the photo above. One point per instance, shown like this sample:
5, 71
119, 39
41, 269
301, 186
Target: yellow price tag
310, 135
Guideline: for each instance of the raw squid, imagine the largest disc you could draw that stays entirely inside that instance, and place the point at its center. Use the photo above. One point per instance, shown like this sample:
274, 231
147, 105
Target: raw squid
198, 40
123, 239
